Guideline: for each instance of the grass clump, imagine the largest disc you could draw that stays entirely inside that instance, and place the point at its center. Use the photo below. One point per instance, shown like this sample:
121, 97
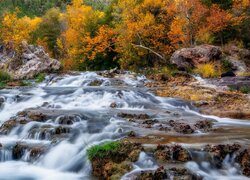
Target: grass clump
245, 89
4, 78
207, 70
40, 78
102, 150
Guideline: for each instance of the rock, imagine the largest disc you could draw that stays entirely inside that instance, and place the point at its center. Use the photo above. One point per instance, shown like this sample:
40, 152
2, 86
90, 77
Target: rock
219, 152
68, 119
114, 164
133, 116
190, 57
159, 174
96, 83
32, 61
228, 74
162, 153
244, 160
172, 153
113, 105
180, 154
20, 149
36, 116
181, 127
181, 174
205, 125
131, 134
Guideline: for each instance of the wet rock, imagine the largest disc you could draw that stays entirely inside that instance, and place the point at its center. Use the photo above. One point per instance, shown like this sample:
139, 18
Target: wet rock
181, 174
150, 122
219, 152
115, 163
111, 73
163, 153
20, 149
133, 116
62, 130
8, 126
96, 83
205, 125
159, 174
180, 154
183, 128
172, 153
131, 134
68, 119
190, 57
244, 160
36, 116
2, 100
115, 171
113, 105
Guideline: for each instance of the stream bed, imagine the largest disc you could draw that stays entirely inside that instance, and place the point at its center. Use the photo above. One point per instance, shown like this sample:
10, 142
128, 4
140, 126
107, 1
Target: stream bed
46, 129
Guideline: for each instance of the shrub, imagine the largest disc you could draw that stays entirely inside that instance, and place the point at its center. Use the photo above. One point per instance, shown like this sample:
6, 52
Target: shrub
4, 76
207, 70
245, 89
40, 77
103, 150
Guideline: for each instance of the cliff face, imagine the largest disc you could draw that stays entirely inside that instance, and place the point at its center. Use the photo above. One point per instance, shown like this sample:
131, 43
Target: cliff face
29, 62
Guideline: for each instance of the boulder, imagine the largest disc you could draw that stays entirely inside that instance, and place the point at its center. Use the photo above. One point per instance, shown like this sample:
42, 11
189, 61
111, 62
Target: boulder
191, 57
31, 61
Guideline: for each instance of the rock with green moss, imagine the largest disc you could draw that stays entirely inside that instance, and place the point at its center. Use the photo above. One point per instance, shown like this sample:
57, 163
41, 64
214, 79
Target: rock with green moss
112, 160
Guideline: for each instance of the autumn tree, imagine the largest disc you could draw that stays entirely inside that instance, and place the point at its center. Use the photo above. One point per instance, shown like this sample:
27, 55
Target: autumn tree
81, 23
14, 30
142, 27
189, 20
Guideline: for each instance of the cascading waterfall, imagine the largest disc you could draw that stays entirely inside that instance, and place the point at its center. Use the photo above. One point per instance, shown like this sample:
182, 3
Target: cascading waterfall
78, 116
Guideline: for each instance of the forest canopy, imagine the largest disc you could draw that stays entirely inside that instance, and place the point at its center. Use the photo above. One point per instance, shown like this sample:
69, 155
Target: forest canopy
97, 35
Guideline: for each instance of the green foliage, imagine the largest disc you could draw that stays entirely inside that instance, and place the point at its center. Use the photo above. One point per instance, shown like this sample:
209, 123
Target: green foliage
31, 7
226, 65
49, 30
4, 76
245, 89
99, 151
40, 77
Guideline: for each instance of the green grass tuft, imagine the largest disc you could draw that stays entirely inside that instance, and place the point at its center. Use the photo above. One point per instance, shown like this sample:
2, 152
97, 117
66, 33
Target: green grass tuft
105, 149
40, 78
245, 90
4, 76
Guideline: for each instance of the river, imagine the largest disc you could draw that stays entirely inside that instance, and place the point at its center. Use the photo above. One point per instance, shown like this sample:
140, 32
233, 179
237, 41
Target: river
75, 114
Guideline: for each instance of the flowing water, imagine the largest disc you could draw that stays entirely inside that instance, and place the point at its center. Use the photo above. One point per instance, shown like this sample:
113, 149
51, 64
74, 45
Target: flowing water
78, 116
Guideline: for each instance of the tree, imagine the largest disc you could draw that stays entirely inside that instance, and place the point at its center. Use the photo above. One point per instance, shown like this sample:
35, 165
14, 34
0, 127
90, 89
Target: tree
81, 21
142, 27
14, 30
49, 31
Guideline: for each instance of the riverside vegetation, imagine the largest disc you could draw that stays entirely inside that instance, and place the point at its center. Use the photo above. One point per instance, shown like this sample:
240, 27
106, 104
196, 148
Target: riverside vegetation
187, 118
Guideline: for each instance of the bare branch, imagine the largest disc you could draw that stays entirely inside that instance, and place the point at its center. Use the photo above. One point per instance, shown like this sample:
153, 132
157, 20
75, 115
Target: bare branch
144, 47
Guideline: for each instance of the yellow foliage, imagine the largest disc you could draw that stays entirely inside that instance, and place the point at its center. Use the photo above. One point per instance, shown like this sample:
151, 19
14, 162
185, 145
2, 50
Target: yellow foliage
207, 70
14, 30
81, 21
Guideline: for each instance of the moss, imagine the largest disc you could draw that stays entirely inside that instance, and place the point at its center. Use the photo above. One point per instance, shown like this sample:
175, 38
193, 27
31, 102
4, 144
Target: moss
40, 77
102, 150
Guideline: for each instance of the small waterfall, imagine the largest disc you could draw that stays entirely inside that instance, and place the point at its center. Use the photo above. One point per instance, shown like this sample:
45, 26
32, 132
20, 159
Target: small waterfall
47, 129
